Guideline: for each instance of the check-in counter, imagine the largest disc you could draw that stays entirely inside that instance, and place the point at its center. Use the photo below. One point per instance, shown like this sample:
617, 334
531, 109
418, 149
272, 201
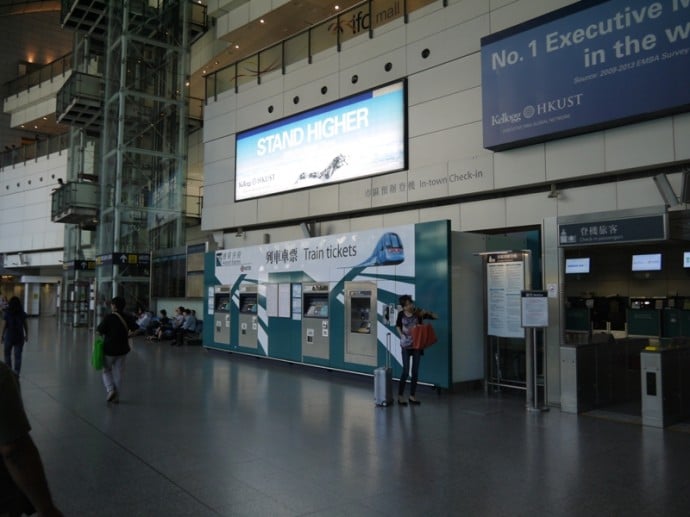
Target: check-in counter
665, 378
600, 372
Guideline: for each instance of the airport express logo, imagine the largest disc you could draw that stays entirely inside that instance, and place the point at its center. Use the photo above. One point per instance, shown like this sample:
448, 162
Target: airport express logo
546, 108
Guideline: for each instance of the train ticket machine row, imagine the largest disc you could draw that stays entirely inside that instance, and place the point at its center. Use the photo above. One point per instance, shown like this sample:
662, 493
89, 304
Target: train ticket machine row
221, 314
360, 323
315, 334
248, 325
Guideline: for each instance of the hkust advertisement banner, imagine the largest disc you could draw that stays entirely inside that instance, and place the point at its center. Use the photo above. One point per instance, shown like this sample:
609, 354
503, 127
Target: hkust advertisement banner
354, 137
588, 66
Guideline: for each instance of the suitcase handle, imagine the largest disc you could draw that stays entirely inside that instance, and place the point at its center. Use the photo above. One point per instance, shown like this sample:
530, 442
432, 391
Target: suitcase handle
388, 350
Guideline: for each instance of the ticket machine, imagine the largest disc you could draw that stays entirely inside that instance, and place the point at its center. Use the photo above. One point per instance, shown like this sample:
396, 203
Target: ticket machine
248, 325
315, 338
360, 323
221, 314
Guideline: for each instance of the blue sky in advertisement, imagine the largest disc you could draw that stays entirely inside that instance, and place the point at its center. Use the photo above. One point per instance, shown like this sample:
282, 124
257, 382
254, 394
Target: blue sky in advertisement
585, 67
355, 137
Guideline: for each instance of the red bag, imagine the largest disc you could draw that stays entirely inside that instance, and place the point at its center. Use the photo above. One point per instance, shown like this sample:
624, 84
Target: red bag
423, 336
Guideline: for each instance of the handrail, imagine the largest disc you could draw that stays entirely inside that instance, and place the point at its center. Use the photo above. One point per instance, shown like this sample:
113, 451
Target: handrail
16, 155
361, 18
46, 73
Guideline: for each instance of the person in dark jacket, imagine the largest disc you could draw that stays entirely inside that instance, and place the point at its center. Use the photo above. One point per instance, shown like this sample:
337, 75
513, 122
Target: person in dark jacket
14, 334
115, 329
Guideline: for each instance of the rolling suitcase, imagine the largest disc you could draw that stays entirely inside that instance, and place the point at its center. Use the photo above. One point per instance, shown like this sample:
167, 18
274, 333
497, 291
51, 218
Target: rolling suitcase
383, 379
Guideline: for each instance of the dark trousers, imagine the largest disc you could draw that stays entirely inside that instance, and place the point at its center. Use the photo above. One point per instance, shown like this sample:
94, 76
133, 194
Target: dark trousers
18, 349
416, 355
180, 334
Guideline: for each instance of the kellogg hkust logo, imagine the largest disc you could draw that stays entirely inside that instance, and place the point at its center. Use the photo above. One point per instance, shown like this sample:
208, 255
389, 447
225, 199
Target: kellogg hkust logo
553, 105
542, 109
505, 118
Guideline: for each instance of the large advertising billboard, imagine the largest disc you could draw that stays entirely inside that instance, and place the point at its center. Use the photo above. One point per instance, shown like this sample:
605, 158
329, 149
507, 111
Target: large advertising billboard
361, 135
589, 66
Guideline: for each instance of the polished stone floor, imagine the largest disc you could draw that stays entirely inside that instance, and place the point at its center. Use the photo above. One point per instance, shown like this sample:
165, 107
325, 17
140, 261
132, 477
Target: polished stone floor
205, 433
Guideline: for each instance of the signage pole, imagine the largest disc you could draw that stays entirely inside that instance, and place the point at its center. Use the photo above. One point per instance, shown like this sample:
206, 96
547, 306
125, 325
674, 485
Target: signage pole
530, 375
534, 316
535, 384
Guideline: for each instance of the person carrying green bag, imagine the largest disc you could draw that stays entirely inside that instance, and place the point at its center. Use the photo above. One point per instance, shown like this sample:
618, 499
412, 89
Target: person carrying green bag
115, 329
97, 353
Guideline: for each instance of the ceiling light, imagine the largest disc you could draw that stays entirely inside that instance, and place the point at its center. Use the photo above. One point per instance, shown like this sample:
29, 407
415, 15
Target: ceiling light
262, 20
336, 7
237, 46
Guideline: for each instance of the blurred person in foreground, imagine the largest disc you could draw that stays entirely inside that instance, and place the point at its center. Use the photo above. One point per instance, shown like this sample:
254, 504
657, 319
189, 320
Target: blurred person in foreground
23, 485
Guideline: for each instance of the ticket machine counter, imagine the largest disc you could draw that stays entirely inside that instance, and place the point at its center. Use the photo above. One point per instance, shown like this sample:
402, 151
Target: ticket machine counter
248, 325
360, 323
315, 321
221, 314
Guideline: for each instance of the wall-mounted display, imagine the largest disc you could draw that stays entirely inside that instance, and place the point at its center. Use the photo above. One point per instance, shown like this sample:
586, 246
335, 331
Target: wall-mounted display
576, 265
646, 262
355, 137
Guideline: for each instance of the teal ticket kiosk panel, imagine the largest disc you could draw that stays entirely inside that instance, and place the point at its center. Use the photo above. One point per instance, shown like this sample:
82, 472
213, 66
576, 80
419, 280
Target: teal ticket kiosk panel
221, 314
315, 321
360, 323
247, 326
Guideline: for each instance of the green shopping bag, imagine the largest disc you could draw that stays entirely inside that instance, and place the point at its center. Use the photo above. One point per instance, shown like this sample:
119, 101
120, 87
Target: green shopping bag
97, 353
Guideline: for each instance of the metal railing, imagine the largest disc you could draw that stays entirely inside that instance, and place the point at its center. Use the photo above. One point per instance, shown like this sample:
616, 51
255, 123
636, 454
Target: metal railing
46, 73
15, 155
361, 18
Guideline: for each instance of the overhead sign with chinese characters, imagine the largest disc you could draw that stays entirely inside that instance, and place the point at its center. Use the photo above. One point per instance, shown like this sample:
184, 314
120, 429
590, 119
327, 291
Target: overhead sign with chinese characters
588, 66
329, 256
614, 231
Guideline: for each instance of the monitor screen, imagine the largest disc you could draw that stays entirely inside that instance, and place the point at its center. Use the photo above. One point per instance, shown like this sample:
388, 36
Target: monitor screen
686, 259
576, 265
352, 138
647, 262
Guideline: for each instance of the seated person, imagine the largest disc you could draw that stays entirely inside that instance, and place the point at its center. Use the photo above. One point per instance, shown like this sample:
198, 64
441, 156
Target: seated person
143, 321
188, 327
163, 327
178, 320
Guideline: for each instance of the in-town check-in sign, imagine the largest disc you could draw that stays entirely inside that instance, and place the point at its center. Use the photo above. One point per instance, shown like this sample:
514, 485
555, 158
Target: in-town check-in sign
588, 66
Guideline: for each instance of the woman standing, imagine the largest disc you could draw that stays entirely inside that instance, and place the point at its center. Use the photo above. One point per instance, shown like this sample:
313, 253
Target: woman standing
409, 318
15, 333
115, 329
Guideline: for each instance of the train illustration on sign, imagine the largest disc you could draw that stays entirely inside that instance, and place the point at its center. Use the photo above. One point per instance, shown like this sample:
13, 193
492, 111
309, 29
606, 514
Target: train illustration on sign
388, 251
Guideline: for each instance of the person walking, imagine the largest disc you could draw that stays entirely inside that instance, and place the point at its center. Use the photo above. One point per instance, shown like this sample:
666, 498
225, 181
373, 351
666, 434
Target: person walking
14, 334
115, 329
408, 318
